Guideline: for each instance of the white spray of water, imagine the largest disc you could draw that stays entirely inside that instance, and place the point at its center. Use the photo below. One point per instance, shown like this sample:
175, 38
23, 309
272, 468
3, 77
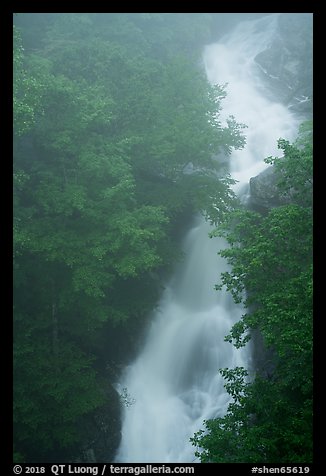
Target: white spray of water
231, 62
174, 384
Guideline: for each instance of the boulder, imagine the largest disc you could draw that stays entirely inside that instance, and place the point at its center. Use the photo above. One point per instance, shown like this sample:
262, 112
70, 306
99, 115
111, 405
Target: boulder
264, 192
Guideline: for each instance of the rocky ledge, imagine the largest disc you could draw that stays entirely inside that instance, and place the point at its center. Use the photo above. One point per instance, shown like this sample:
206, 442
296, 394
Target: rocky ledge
264, 192
286, 66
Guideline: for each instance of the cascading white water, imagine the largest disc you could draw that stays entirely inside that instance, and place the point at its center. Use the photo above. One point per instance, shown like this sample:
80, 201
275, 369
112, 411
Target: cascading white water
231, 61
174, 384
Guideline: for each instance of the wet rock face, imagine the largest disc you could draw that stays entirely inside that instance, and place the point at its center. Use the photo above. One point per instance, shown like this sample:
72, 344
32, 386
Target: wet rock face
264, 192
286, 66
286, 70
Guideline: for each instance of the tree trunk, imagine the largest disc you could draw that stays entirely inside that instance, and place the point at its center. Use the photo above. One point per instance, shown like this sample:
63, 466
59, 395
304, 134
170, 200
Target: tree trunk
54, 321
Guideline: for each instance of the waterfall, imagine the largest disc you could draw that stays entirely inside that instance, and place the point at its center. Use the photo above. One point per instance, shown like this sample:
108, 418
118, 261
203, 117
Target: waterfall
231, 62
174, 384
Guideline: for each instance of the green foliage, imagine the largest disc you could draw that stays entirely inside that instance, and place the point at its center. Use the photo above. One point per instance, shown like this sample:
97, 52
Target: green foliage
116, 129
47, 392
270, 417
26, 88
265, 425
295, 168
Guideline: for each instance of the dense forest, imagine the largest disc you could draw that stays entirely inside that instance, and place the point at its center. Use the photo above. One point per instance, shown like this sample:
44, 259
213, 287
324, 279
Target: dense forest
118, 142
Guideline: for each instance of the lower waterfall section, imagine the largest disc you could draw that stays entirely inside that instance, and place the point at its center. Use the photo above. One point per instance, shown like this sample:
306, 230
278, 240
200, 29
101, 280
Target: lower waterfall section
175, 384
